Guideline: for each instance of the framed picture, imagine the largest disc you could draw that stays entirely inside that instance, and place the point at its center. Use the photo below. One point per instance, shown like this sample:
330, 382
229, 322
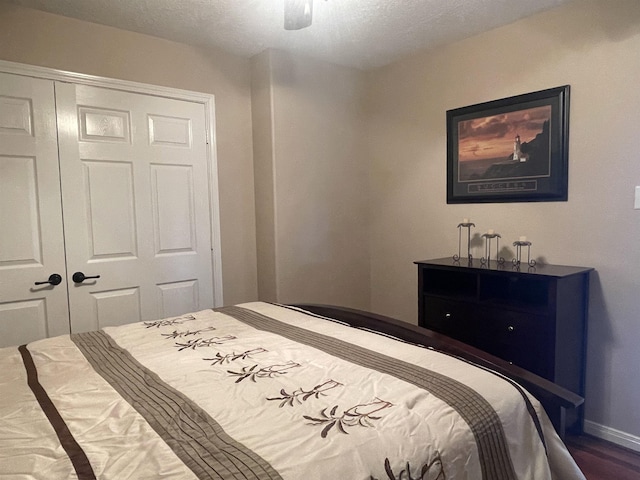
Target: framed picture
510, 150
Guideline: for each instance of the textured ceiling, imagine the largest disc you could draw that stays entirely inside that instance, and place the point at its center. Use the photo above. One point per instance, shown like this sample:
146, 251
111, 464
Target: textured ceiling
358, 33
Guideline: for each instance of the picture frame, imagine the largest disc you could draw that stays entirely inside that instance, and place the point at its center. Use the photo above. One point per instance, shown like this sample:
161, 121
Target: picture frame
510, 150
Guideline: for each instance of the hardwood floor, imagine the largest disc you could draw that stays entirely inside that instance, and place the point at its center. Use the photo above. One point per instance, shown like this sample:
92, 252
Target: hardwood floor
601, 460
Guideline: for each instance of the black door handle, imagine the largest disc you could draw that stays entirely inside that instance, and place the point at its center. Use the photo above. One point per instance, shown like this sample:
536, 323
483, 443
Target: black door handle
54, 279
80, 277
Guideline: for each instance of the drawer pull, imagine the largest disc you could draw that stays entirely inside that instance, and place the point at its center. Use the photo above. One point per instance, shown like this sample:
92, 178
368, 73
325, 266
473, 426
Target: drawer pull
510, 328
447, 315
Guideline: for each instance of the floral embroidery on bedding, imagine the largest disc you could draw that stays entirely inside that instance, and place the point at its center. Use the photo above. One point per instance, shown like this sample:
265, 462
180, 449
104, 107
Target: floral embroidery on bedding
232, 357
265, 372
358, 415
204, 342
169, 321
176, 334
433, 470
296, 395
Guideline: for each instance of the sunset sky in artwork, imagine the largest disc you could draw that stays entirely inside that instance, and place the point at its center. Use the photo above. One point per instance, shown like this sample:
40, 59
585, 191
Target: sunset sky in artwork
493, 137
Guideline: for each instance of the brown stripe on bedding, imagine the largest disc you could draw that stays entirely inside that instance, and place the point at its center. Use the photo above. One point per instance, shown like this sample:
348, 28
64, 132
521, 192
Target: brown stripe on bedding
476, 411
77, 456
195, 437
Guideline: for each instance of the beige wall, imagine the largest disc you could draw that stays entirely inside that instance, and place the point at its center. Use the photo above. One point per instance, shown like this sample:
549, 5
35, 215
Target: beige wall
595, 47
38, 38
312, 185
264, 169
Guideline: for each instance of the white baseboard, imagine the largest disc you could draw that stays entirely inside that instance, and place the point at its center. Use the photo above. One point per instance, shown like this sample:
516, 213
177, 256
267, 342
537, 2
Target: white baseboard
612, 435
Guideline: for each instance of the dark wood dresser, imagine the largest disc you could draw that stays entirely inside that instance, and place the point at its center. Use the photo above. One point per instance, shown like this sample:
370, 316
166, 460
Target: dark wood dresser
533, 317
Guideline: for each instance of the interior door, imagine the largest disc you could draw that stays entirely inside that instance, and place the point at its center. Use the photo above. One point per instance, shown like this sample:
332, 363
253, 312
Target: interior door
135, 191
31, 240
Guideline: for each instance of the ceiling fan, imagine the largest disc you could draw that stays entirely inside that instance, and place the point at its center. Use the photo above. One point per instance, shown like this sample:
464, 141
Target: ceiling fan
297, 14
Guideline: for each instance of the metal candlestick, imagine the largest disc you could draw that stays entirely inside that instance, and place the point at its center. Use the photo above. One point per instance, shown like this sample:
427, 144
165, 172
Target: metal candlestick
468, 226
519, 244
487, 249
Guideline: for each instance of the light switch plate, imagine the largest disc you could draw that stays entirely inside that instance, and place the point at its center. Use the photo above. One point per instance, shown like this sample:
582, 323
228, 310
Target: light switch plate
636, 205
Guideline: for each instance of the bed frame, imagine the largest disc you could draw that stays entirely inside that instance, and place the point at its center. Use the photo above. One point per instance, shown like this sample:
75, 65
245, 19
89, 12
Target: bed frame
555, 399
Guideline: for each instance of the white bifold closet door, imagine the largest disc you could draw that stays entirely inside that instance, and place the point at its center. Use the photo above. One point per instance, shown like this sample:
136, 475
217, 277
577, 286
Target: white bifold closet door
31, 239
130, 207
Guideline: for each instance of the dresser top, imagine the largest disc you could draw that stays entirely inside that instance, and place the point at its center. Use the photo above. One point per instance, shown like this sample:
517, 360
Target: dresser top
492, 266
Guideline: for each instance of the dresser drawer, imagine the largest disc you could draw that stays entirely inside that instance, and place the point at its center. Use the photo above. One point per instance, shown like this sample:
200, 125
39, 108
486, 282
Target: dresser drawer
517, 337
450, 317
520, 338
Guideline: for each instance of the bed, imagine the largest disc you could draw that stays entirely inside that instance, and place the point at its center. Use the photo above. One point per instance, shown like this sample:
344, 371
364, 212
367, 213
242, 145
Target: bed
265, 391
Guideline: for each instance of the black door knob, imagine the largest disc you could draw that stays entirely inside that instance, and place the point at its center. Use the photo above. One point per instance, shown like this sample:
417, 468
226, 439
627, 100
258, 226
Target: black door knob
80, 277
54, 279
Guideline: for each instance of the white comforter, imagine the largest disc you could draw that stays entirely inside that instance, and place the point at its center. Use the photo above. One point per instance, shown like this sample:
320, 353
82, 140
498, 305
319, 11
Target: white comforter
265, 392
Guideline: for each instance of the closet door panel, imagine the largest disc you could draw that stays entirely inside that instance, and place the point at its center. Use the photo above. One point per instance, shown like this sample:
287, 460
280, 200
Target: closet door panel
110, 207
31, 238
136, 201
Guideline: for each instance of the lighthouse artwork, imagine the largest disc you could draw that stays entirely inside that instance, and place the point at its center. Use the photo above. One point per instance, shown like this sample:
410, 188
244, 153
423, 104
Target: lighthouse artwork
509, 145
509, 149
518, 156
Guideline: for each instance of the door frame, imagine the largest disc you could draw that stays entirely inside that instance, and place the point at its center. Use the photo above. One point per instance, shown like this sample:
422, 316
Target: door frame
207, 100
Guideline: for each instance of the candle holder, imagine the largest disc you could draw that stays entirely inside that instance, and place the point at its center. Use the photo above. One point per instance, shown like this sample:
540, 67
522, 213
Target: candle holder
518, 258
465, 224
489, 236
